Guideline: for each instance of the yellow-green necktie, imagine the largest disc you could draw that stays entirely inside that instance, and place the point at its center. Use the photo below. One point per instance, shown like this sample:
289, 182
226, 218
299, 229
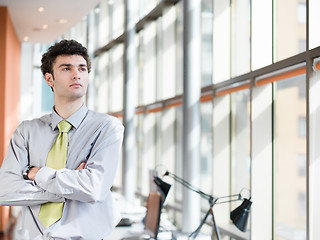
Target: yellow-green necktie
52, 211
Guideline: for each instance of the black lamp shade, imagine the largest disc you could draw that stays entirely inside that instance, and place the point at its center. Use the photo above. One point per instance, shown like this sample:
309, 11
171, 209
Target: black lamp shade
240, 215
163, 187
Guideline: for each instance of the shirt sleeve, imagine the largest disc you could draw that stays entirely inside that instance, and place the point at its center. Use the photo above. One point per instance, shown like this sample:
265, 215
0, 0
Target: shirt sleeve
14, 189
92, 183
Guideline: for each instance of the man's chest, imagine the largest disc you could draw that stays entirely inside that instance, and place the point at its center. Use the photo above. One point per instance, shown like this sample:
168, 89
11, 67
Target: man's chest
80, 144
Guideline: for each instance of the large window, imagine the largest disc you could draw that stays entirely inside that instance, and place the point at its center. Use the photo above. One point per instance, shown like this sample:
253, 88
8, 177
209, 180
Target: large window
255, 106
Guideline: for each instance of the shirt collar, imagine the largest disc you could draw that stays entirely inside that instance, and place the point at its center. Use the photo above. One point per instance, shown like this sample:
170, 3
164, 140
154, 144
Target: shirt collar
75, 119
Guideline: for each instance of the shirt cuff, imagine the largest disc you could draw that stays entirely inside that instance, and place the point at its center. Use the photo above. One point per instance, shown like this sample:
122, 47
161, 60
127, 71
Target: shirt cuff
43, 175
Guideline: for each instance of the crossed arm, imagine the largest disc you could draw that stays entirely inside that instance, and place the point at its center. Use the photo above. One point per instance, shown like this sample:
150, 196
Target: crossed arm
33, 171
90, 182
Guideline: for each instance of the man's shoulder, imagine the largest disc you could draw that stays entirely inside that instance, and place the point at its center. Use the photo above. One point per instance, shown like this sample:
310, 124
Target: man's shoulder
104, 119
100, 116
40, 121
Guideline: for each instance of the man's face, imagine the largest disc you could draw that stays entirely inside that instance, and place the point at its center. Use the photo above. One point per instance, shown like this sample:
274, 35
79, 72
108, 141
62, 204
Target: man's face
70, 77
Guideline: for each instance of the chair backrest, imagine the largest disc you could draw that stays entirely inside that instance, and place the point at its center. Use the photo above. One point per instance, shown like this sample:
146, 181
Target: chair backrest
152, 219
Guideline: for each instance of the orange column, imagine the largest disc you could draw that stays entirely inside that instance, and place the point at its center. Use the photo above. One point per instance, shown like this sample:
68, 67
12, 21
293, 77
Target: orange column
9, 91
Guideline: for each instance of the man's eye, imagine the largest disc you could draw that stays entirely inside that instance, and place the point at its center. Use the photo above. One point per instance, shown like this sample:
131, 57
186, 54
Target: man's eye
83, 69
66, 69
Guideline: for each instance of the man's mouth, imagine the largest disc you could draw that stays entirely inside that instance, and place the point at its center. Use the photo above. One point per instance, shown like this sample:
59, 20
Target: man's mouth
76, 85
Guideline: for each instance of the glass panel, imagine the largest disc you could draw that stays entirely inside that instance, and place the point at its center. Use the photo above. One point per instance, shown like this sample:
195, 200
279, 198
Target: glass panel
168, 54
240, 132
47, 100
149, 64
168, 138
118, 178
159, 60
261, 33
314, 19
148, 155
290, 28
206, 46
179, 152
240, 146
117, 18
179, 7
96, 25
140, 55
31, 99
240, 37
261, 165
149, 5
142, 180
79, 32
206, 150
102, 23
221, 155
158, 137
116, 79
168, 144
314, 153
100, 92
289, 159
221, 41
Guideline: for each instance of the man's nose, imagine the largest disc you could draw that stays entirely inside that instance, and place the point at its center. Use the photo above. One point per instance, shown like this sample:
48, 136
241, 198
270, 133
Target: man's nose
76, 75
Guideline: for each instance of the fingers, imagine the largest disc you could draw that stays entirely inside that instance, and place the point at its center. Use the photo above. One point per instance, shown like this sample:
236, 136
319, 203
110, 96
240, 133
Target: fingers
81, 166
32, 173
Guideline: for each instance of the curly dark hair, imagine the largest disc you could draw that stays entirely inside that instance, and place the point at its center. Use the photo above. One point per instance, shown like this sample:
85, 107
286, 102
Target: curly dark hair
64, 47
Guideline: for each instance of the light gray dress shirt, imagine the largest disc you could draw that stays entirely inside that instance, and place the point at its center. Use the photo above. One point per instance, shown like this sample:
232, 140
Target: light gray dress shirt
89, 210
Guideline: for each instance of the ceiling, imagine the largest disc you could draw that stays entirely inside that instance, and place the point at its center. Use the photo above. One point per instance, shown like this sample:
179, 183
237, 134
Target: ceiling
56, 17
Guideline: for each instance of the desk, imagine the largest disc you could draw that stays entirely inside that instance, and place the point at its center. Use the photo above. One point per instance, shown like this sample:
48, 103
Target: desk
135, 229
167, 230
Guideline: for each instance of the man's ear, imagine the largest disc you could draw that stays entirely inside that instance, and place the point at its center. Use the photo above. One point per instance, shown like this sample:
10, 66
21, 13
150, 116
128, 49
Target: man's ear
49, 79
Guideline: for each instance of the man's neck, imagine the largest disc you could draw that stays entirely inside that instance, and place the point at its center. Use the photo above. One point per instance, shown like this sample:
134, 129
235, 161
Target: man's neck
66, 109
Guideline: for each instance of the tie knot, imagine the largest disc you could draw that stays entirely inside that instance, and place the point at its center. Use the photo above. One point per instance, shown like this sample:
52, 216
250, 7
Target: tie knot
64, 126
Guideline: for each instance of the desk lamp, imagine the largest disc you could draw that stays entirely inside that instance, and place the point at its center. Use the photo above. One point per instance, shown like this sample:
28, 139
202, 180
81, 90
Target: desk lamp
239, 216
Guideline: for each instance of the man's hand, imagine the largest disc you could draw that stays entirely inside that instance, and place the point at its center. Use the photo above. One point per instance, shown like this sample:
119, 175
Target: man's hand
81, 166
32, 173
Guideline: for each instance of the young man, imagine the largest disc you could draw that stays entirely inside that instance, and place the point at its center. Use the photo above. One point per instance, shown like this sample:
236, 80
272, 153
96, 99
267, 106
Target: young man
60, 167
